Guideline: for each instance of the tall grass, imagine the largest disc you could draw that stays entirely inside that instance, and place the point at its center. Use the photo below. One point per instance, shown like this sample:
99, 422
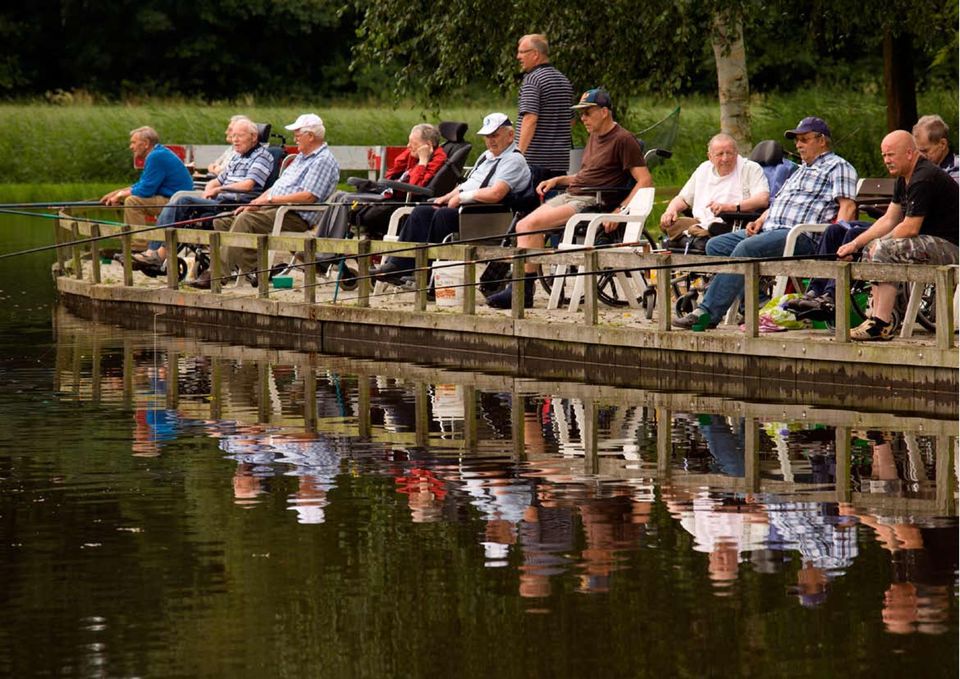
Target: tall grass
41, 143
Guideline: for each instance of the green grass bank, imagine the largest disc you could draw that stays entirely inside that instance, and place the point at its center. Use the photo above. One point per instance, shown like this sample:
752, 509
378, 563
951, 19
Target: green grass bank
47, 144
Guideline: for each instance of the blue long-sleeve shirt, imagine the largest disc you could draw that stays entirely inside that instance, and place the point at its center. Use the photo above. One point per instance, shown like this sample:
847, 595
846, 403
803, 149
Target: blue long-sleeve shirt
163, 175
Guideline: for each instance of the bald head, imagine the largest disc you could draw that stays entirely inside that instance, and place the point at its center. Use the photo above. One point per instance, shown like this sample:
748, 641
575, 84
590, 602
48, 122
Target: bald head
899, 151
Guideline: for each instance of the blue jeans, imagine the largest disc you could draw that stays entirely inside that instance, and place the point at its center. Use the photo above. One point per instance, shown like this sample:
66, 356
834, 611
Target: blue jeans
726, 288
185, 207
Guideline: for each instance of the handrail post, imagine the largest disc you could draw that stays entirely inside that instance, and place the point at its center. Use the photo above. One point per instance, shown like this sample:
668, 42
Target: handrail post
841, 296
173, 268
216, 266
363, 273
95, 254
518, 274
127, 256
469, 281
751, 299
310, 272
57, 239
946, 281
842, 454
421, 279
263, 272
590, 267
751, 453
664, 276
75, 251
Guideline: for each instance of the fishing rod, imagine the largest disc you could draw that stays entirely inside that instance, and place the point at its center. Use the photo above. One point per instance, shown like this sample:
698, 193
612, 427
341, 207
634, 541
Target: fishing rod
97, 204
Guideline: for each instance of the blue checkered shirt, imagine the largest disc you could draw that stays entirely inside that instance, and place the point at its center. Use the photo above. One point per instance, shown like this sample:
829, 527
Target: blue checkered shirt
256, 164
317, 173
810, 195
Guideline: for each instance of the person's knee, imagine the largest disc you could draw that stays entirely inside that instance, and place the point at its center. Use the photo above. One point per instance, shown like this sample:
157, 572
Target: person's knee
721, 245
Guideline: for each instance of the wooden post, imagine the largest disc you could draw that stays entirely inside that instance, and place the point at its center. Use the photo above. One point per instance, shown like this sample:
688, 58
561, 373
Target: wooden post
310, 394
173, 269
751, 453
518, 274
843, 460
363, 406
310, 275
57, 239
125, 240
264, 377
216, 266
95, 377
75, 251
421, 279
588, 432
470, 434
363, 274
95, 253
469, 281
173, 379
751, 299
422, 412
946, 281
590, 266
664, 301
128, 369
842, 300
946, 480
664, 441
518, 426
263, 266
216, 388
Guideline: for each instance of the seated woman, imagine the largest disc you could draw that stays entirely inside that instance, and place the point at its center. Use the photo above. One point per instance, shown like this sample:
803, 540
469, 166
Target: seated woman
725, 182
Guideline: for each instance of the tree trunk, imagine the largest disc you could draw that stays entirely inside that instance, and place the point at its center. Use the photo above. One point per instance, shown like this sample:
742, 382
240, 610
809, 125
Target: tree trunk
898, 80
732, 82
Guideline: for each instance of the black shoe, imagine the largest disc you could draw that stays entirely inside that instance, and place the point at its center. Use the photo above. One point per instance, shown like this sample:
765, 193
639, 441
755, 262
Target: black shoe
504, 298
698, 318
808, 303
391, 272
202, 282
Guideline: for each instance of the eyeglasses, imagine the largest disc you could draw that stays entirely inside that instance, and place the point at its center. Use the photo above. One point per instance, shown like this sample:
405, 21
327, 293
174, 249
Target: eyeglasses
806, 139
587, 112
529, 49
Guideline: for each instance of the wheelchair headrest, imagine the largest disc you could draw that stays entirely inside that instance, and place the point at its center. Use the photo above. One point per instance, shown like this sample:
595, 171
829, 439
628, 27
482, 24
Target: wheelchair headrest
263, 133
768, 152
453, 131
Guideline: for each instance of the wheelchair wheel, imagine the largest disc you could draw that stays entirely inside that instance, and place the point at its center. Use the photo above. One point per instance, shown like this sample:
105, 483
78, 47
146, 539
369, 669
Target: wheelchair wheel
348, 278
181, 268
686, 303
927, 313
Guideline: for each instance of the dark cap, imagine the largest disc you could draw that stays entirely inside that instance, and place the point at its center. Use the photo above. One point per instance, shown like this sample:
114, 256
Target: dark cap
595, 97
809, 124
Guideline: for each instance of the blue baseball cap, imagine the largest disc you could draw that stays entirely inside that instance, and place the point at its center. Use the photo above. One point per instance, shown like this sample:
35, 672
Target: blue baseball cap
809, 124
595, 97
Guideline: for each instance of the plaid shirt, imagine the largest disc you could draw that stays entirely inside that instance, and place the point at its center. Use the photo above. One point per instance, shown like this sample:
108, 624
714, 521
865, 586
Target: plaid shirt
255, 164
810, 195
317, 173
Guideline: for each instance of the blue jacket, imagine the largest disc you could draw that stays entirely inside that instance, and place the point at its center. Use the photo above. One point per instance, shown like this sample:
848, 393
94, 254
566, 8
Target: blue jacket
163, 175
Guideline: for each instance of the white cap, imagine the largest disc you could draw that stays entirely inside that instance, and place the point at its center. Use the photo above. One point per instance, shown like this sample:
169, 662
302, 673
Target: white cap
305, 120
493, 122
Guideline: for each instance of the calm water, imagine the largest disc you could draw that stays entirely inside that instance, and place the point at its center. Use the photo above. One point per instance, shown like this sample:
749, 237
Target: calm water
176, 508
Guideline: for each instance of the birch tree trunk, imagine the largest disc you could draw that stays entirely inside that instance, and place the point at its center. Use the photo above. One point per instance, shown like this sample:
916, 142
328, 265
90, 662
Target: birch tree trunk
732, 82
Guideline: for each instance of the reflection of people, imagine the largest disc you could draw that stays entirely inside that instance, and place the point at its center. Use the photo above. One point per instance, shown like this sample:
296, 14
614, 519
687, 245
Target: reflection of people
315, 461
425, 494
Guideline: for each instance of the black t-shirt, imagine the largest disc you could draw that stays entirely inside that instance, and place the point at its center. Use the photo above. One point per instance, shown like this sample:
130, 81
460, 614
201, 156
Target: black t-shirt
933, 195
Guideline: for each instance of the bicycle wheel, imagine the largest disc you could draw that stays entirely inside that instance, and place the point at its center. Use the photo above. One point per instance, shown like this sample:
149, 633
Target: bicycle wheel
927, 313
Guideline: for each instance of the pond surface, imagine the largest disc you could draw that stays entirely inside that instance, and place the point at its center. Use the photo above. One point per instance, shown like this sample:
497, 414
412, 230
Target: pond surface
171, 507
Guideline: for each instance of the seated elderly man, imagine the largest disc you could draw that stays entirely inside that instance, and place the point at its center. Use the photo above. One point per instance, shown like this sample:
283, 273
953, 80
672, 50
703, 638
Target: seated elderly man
822, 189
499, 172
218, 165
930, 133
919, 227
163, 175
612, 157
310, 178
725, 182
246, 172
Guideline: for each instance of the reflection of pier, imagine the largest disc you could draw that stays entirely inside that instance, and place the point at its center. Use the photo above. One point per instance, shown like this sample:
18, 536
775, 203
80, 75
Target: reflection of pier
82, 346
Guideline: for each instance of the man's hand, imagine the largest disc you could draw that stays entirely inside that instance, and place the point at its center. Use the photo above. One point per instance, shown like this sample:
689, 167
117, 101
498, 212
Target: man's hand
847, 250
114, 197
719, 208
667, 218
753, 228
452, 200
546, 185
211, 192
423, 152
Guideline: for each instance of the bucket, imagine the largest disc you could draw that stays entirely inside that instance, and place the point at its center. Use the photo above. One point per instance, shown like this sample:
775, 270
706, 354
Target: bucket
448, 283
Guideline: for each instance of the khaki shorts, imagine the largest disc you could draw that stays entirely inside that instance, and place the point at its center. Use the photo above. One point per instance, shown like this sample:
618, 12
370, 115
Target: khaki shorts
580, 202
916, 250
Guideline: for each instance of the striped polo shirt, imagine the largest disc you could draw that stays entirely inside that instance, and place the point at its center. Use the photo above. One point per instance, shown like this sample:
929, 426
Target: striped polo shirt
546, 92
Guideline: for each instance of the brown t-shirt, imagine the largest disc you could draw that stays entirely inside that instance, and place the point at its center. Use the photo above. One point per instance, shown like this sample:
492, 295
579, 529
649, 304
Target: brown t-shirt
607, 160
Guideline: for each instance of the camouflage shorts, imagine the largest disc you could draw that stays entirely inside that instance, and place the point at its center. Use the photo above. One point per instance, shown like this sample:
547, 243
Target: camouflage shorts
916, 250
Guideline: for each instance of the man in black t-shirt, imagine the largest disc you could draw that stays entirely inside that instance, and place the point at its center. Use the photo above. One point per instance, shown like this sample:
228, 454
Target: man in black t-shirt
919, 227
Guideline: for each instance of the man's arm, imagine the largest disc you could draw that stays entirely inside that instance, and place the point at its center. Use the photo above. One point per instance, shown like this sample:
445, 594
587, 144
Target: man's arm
528, 127
848, 209
495, 193
890, 220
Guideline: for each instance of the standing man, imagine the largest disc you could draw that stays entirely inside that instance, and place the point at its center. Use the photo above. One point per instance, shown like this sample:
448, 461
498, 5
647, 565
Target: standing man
310, 178
919, 227
163, 175
931, 135
544, 119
